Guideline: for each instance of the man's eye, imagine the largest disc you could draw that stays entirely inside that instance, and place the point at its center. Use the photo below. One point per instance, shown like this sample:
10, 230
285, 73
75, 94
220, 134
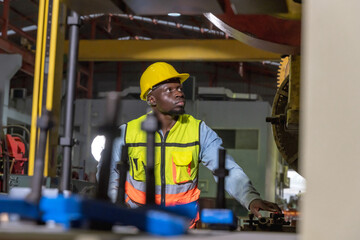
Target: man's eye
167, 90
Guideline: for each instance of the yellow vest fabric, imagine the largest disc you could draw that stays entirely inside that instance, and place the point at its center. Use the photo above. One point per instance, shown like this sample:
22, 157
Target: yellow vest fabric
176, 159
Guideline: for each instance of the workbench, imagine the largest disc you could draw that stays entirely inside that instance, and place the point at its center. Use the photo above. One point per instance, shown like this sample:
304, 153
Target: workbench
31, 231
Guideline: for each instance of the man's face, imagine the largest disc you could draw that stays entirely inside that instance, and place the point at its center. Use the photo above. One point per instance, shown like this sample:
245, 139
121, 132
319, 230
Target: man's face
169, 98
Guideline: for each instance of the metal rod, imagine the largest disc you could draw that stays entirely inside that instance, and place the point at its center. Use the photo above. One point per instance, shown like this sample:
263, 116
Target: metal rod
19, 31
122, 167
150, 177
2, 135
44, 123
221, 173
150, 126
6, 172
67, 140
112, 108
6, 8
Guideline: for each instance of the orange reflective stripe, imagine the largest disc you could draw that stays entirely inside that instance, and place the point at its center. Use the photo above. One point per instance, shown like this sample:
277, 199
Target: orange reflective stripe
182, 198
134, 194
171, 199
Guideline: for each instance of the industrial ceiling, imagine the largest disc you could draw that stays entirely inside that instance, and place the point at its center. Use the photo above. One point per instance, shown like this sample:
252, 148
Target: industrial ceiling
271, 27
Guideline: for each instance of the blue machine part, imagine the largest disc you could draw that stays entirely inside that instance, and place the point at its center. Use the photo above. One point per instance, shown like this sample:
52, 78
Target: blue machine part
62, 210
188, 210
217, 216
19, 206
74, 210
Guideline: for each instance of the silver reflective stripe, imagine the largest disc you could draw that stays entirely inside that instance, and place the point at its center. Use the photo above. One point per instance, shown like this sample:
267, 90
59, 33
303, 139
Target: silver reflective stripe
174, 189
141, 186
170, 189
132, 204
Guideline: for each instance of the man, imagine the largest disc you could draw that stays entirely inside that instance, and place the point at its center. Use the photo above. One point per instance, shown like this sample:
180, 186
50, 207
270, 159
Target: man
181, 144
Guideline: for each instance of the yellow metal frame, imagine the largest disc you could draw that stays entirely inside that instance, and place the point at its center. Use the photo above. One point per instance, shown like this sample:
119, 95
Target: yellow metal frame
170, 50
54, 67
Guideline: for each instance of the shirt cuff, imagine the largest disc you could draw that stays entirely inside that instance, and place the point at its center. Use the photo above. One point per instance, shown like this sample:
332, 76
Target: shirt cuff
249, 198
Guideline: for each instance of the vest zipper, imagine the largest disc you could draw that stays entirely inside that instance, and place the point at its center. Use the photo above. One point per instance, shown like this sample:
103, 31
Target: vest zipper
163, 179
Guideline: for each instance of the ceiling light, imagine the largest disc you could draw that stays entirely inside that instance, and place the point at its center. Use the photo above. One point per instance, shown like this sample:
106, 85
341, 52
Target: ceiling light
174, 14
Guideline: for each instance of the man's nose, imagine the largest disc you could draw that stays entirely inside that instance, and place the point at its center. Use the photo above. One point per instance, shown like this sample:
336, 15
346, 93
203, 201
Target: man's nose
179, 93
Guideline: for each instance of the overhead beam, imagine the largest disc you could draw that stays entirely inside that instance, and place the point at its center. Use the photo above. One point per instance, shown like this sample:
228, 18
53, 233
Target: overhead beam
11, 47
27, 56
170, 50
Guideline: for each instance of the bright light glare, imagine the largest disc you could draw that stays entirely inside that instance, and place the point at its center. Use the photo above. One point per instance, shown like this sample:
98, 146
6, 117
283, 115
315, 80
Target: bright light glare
97, 146
297, 185
174, 14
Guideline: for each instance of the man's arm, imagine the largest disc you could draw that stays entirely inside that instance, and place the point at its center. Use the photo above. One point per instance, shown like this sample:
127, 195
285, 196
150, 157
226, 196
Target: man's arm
237, 183
115, 158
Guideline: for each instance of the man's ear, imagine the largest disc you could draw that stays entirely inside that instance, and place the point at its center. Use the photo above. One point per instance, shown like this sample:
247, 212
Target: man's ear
151, 100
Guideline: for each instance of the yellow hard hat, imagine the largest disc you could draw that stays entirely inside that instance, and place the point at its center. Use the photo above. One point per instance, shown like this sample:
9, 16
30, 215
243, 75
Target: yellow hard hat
157, 73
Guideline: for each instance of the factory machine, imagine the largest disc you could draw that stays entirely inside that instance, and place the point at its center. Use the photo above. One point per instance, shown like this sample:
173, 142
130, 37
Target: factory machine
97, 213
63, 213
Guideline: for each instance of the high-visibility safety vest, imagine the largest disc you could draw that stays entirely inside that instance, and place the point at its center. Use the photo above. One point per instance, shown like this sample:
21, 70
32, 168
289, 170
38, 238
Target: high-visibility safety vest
176, 162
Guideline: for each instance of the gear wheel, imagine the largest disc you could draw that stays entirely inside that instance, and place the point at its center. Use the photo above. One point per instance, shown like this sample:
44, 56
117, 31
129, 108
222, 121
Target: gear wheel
285, 129
286, 141
284, 70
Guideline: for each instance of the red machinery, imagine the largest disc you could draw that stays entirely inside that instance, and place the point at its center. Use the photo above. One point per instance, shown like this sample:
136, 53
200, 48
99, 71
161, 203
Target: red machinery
16, 151
13, 154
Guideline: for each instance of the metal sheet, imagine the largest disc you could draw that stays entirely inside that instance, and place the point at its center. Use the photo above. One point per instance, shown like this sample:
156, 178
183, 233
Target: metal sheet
163, 7
86, 7
250, 40
258, 6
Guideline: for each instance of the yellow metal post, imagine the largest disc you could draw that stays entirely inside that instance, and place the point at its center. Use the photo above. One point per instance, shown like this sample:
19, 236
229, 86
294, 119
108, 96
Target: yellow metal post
47, 77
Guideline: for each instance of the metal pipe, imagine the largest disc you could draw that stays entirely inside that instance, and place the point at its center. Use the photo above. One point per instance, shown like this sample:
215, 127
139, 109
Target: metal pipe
122, 167
17, 30
44, 123
6, 172
150, 177
221, 173
67, 140
6, 8
150, 126
112, 108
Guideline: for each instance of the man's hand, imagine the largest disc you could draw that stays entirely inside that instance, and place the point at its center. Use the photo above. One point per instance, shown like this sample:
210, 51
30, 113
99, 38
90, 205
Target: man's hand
259, 204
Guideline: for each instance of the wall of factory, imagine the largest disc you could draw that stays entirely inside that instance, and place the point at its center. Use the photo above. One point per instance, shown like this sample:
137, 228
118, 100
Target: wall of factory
207, 74
251, 149
241, 123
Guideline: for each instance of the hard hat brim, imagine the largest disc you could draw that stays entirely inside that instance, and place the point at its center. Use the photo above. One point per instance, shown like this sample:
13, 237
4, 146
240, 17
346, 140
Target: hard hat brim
182, 76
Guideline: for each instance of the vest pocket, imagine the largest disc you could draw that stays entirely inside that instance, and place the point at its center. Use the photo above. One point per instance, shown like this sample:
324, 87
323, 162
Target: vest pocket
138, 166
181, 166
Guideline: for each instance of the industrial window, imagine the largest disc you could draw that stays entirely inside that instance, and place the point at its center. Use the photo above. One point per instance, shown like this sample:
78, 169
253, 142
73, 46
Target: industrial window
239, 139
228, 137
247, 139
